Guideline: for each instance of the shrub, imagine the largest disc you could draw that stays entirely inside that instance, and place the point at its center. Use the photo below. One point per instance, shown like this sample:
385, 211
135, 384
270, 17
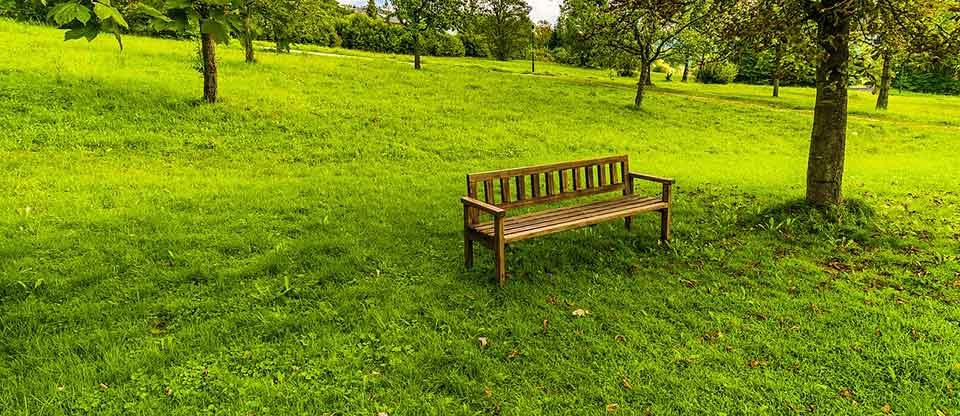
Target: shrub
562, 56
321, 32
443, 44
359, 31
931, 80
717, 73
660, 66
474, 46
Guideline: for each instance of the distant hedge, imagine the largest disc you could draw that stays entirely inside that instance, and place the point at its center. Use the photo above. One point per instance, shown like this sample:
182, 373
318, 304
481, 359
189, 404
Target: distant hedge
933, 81
358, 31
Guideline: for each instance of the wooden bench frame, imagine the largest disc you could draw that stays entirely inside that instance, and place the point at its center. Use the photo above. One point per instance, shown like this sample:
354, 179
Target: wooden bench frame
503, 190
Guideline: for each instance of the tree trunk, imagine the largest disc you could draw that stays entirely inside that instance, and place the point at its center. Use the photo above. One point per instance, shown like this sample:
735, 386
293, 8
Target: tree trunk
700, 66
775, 76
209, 55
416, 51
248, 40
883, 97
642, 84
686, 70
828, 139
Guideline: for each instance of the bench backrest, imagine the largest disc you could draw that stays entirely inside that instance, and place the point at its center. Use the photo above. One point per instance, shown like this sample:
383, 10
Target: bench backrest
541, 184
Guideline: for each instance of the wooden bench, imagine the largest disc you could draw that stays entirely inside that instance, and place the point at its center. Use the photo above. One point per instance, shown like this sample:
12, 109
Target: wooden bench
497, 192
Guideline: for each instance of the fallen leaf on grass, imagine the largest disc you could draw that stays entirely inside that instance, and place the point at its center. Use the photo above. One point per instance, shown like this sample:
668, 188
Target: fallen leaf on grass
581, 312
712, 336
612, 407
60, 387
483, 342
626, 383
546, 324
513, 354
620, 338
167, 392
487, 392
846, 393
689, 283
756, 363
551, 300
941, 413
104, 387
836, 266
383, 414
886, 409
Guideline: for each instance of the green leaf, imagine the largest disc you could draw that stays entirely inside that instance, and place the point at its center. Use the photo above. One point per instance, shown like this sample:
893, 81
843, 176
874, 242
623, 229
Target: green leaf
179, 4
67, 12
152, 12
105, 12
216, 28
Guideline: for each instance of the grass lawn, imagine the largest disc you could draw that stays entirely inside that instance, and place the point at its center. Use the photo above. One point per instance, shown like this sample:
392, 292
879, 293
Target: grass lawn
296, 249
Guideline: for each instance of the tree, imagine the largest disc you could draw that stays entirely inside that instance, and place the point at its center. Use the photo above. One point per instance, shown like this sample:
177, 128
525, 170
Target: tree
782, 28
577, 31
903, 33
279, 17
247, 31
419, 16
834, 19
214, 19
372, 9
507, 26
649, 29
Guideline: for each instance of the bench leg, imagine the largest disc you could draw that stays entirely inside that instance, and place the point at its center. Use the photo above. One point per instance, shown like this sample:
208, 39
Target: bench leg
467, 252
500, 254
499, 248
628, 221
665, 225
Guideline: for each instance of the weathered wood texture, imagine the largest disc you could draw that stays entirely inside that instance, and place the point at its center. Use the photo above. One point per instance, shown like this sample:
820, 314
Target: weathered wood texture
495, 193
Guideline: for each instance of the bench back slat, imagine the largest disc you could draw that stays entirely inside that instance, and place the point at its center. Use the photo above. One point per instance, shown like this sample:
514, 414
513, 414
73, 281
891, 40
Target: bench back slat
549, 183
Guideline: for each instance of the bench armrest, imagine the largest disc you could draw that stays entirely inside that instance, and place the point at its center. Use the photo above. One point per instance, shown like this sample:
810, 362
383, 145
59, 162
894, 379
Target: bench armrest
651, 178
483, 206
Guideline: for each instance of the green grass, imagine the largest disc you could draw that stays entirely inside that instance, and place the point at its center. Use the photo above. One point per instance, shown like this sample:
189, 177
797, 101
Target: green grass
296, 249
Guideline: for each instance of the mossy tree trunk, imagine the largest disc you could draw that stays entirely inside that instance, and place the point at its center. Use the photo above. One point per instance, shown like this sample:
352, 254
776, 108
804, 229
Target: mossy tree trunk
828, 138
416, 50
643, 82
208, 52
248, 39
775, 74
883, 96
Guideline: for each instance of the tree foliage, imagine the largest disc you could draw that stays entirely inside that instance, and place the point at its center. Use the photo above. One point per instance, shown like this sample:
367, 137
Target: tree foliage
507, 25
419, 16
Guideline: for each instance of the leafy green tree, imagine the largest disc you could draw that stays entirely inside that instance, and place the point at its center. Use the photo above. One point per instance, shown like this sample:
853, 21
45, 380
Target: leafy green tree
248, 31
88, 19
507, 26
420, 16
372, 11
576, 31
834, 20
215, 20
650, 29
782, 29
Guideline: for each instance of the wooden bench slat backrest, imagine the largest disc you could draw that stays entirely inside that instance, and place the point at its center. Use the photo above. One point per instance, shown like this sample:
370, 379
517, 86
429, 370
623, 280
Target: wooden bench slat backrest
541, 184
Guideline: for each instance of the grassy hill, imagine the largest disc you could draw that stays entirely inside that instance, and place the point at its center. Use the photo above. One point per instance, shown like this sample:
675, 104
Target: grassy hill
296, 249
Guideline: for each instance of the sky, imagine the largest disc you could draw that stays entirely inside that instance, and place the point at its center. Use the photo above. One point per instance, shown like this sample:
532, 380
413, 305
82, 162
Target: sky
540, 9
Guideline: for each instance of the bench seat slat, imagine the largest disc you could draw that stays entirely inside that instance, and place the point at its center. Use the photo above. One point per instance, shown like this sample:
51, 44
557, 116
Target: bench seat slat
551, 221
562, 213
